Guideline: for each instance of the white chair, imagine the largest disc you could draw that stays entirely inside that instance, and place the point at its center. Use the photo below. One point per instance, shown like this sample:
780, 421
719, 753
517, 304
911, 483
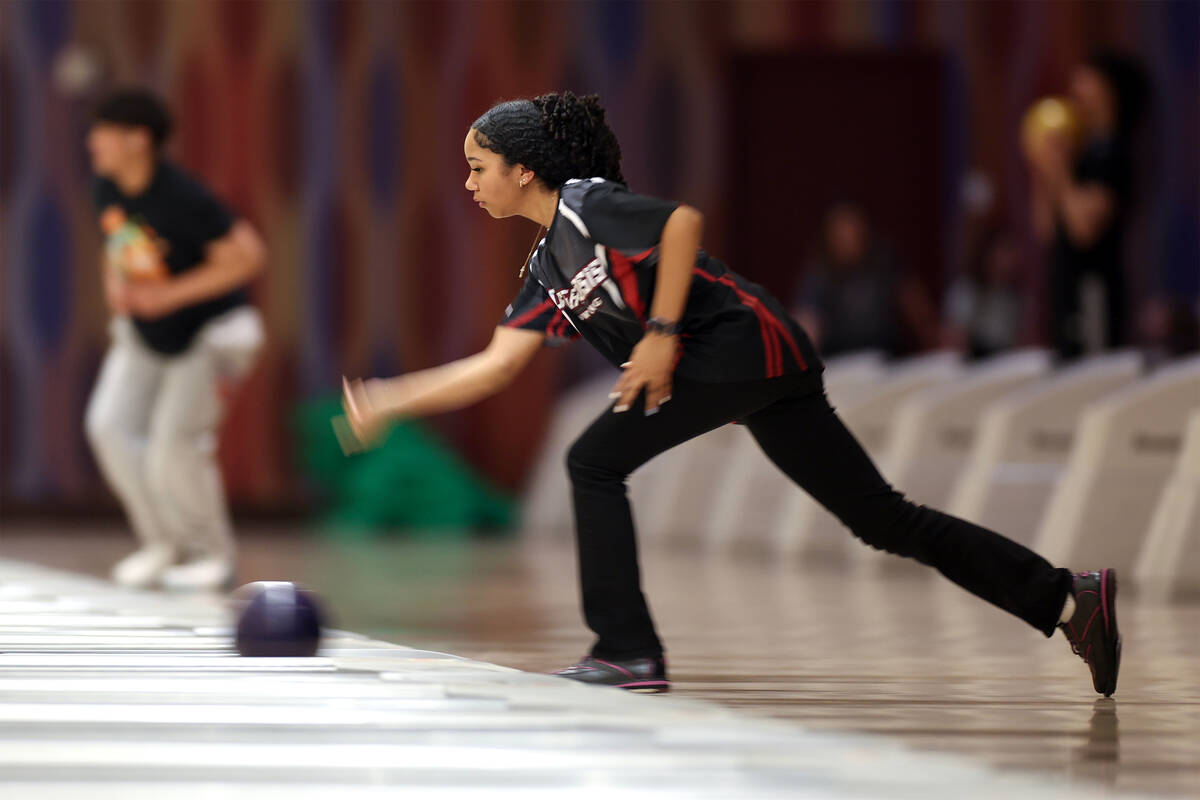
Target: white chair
1024, 441
1169, 562
1128, 444
936, 428
547, 506
872, 416
744, 504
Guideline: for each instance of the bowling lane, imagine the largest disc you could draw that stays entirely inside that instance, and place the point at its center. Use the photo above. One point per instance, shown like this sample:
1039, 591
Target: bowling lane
911, 662
129, 694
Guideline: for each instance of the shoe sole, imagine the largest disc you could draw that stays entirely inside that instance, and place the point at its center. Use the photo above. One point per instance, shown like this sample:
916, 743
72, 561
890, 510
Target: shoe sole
646, 687
1108, 601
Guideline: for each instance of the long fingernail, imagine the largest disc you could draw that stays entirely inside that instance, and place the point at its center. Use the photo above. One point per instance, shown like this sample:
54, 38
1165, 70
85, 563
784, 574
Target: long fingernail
651, 411
626, 364
613, 395
665, 399
619, 409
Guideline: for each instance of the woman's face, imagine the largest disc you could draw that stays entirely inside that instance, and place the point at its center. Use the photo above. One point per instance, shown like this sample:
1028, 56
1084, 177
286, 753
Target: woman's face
846, 235
1092, 94
114, 147
492, 183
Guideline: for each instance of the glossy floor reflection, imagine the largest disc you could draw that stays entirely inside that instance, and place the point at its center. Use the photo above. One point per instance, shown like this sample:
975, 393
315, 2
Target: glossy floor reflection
910, 658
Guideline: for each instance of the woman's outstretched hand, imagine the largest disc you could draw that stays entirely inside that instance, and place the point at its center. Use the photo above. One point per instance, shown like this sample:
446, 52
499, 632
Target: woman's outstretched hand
365, 422
650, 366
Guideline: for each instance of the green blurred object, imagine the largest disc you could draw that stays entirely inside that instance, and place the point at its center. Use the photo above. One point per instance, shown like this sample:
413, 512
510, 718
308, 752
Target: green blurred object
412, 480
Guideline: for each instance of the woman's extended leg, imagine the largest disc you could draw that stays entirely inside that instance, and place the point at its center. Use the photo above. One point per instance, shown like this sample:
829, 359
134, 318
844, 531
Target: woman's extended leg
803, 435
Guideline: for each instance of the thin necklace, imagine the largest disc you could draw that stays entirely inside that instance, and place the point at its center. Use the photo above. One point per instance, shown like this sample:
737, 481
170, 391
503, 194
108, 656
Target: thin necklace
536, 240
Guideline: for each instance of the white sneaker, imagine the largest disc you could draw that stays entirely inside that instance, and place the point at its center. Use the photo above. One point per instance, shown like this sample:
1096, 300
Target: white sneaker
207, 574
144, 568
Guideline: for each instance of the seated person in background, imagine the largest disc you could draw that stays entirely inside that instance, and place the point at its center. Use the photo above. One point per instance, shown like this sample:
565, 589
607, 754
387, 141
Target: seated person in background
985, 307
853, 297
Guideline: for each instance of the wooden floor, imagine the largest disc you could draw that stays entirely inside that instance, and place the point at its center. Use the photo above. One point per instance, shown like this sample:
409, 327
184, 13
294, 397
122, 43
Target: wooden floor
903, 656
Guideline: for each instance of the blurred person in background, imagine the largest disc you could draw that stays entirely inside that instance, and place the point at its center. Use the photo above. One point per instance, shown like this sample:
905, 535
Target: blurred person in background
1080, 198
854, 297
1169, 328
175, 266
985, 306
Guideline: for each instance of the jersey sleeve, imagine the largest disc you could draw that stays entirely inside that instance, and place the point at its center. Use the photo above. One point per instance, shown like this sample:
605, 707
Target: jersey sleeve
616, 217
532, 310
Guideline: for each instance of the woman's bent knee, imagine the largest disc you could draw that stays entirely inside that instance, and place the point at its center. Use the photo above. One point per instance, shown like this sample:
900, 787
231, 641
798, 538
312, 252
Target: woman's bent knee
585, 463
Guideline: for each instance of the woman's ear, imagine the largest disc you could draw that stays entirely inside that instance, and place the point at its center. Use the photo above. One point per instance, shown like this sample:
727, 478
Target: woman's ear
524, 176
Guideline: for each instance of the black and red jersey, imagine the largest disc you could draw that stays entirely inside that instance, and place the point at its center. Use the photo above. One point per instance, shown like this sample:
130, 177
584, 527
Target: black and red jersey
593, 275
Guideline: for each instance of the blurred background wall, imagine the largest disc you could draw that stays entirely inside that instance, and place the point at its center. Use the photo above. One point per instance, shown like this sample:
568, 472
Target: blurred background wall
336, 128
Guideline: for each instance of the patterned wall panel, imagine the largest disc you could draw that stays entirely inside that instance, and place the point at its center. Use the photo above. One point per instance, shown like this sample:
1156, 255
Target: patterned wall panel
336, 128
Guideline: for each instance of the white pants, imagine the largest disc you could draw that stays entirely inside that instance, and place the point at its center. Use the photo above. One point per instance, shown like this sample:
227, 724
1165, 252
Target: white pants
152, 422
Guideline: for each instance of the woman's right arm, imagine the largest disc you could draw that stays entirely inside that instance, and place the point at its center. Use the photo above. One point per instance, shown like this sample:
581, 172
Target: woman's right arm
370, 405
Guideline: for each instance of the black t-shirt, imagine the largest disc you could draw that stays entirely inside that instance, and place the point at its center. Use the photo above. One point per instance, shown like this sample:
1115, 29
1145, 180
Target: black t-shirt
1106, 163
594, 274
165, 231
1103, 162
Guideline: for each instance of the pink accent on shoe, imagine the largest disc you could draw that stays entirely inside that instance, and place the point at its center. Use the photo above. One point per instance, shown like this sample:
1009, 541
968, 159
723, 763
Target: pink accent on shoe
1088, 627
614, 666
1104, 595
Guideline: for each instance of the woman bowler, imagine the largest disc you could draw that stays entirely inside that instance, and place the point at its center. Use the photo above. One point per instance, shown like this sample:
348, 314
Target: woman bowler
700, 347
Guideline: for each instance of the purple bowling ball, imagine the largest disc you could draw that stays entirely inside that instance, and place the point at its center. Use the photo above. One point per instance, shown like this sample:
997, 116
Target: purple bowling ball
277, 619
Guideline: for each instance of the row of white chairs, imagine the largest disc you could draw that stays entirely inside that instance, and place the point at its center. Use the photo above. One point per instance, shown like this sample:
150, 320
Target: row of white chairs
1095, 464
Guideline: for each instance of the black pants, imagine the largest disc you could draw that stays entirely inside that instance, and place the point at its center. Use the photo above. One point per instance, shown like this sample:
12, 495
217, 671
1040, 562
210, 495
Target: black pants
1066, 305
799, 431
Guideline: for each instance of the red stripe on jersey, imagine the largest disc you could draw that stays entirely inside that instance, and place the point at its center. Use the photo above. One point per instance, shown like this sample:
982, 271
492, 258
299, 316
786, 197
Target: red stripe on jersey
623, 271
563, 326
528, 315
783, 331
765, 318
776, 324
770, 345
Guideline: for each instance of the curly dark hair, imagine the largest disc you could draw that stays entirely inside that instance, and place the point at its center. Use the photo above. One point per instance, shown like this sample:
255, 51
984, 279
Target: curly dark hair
558, 136
134, 107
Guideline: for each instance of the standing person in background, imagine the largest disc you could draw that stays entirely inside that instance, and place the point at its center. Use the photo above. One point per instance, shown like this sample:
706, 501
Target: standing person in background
853, 296
175, 268
985, 306
1081, 200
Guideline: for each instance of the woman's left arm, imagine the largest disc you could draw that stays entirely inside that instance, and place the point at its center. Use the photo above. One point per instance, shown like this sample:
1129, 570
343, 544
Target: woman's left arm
653, 359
